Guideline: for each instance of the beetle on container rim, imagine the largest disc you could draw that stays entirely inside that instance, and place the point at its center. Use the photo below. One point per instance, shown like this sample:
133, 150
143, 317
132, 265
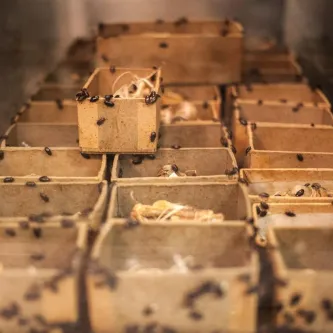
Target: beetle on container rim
48, 151
44, 179
297, 107
108, 103
231, 172
247, 150
94, 99
85, 155
82, 95
243, 121
8, 180
130, 224
151, 98
23, 225
67, 224
264, 205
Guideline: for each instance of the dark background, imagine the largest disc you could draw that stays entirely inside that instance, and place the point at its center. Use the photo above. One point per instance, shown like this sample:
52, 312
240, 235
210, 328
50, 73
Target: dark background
35, 33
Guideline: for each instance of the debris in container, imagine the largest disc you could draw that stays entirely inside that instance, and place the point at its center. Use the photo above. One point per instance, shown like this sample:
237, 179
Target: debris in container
137, 87
172, 171
183, 111
163, 210
314, 190
24, 144
180, 265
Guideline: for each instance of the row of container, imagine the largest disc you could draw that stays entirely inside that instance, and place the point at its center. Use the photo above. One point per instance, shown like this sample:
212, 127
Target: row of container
282, 134
123, 260
135, 278
56, 218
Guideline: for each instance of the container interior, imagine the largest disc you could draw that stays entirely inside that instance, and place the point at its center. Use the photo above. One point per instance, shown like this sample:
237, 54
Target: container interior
275, 92
57, 246
206, 162
50, 112
204, 112
62, 163
106, 83
63, 199
159, 246
283, 186
273, 180
191, 135
54, 92
295, 139
306, 248
225, 198
43, 135
194, 93
285, 114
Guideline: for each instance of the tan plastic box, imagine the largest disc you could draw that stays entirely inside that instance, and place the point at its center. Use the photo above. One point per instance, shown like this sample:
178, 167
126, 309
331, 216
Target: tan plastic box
127, 125
215, 49
210, 164
185, 300
272, 114
60, 164
272, 181
40, 272
289, 146
50, 201
302, 263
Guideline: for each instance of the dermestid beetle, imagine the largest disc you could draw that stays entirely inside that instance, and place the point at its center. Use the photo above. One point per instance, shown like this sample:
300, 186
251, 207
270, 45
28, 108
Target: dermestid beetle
48, 151
100, 121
